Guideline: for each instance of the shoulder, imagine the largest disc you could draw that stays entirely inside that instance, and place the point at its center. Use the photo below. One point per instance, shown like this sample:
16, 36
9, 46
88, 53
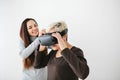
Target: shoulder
74, 48
21, 43
78, 51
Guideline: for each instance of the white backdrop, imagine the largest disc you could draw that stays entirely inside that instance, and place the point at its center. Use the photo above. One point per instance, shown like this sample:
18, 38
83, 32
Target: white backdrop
94, 26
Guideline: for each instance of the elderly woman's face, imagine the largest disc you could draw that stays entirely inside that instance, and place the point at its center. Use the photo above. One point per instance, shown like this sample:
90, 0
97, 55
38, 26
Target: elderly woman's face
55, 46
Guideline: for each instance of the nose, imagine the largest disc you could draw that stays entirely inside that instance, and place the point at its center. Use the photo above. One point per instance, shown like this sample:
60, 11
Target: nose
34, 28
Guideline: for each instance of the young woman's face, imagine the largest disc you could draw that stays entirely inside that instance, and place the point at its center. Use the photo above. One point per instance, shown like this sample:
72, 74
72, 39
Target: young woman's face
32, 28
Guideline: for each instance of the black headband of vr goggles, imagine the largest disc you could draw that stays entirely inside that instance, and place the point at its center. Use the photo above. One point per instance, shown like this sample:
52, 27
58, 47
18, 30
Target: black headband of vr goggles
62, 33
48, 39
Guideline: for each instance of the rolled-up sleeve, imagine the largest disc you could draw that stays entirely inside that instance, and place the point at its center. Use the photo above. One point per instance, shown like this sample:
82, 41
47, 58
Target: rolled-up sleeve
25, 52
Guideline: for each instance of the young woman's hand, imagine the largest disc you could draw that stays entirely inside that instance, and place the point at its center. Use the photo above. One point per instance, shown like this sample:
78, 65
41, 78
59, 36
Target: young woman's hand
42, 32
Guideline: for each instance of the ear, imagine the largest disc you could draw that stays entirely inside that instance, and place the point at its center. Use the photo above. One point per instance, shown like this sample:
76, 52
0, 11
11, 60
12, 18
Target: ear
65, 37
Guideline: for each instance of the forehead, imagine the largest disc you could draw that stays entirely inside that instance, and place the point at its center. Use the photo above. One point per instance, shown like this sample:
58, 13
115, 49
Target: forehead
30, 22
51, 30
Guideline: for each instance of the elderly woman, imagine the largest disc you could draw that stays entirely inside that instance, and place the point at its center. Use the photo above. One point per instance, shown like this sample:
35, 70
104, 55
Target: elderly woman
64, 61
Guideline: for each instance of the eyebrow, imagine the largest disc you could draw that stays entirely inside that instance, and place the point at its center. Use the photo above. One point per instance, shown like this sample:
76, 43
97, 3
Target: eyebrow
29, 26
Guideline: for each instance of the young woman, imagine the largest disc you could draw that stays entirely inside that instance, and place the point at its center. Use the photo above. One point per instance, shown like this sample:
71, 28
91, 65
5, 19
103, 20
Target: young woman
65, 61
29, 46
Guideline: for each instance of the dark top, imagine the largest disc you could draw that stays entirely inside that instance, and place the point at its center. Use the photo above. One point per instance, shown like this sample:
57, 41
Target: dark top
70, 66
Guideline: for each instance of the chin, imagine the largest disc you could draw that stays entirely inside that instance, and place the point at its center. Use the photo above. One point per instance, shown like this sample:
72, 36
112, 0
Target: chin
36, 35
54, 47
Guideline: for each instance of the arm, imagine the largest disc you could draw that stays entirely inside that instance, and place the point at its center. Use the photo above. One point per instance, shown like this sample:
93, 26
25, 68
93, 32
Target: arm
25, 52
38, 62
41, 59
76, 61
73, 56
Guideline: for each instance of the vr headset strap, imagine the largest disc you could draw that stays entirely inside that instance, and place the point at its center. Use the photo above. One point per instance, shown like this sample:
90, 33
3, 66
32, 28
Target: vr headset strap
63, 32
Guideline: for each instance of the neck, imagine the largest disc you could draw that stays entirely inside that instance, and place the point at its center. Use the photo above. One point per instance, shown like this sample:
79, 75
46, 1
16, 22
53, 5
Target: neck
32, 38
58, 54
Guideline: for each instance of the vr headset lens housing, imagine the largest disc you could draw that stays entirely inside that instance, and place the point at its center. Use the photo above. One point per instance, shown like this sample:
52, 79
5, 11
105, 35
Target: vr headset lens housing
48, 39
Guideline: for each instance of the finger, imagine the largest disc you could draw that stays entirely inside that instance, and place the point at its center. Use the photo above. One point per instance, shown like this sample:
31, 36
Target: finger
42, 32
57, 35
54, 34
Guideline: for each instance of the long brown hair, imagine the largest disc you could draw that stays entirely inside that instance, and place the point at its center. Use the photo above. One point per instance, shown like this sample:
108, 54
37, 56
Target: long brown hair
28, 62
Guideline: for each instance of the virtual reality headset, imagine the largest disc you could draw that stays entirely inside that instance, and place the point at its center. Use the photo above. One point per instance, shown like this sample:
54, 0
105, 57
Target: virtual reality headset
48, 40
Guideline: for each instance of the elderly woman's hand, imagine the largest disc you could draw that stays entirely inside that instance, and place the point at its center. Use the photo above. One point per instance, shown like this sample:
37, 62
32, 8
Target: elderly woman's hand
61, 41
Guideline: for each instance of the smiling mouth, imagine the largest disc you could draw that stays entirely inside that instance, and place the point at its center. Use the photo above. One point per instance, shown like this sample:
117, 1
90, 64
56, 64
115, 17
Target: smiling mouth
35, 32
